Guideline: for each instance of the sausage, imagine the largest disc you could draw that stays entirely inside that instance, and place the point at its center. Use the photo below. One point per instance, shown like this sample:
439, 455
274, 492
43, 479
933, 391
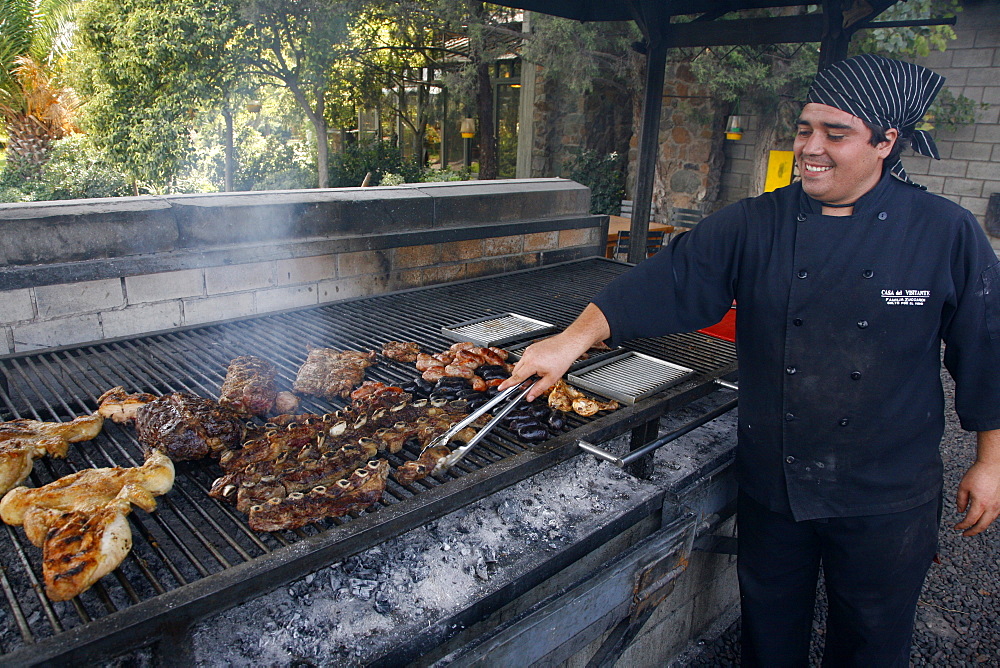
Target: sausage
459, 371
434, 373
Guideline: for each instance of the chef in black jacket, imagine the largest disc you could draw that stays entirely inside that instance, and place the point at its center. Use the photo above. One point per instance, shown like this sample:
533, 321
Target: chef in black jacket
847, 283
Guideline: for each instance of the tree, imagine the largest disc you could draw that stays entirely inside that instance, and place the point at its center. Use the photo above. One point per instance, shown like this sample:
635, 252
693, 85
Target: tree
35, 108
297, 43
432, 24
148, 68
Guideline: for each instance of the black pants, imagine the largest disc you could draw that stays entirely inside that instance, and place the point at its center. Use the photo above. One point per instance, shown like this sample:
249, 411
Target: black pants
874, 567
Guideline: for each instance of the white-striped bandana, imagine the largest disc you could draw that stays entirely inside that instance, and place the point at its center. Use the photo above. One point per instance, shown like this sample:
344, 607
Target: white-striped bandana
887, 93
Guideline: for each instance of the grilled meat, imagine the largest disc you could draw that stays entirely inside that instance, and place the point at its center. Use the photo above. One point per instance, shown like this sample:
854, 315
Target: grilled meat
89, 489
249, 386
460, 361
330, 373
374, 394
401, 351
422, 466
185, 426
80, 522
362, 489
565, 397
285, 403
79, 548
119, 406
23, 441
285, 465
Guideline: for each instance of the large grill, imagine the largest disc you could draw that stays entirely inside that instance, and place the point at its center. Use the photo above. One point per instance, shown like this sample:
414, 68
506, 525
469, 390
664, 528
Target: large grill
195, 556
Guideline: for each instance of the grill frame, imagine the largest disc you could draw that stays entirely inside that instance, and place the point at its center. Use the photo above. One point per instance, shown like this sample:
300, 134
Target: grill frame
180, 362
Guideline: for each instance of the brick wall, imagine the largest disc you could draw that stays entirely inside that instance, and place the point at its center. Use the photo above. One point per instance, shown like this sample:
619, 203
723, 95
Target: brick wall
969, 169
84, 271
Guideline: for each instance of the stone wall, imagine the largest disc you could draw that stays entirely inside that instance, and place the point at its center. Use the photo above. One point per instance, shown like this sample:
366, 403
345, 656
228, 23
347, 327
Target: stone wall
87, 270
689, 160
565, 123
969, 169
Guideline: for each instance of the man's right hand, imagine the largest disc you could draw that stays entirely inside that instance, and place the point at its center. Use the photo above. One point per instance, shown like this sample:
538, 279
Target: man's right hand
550, 358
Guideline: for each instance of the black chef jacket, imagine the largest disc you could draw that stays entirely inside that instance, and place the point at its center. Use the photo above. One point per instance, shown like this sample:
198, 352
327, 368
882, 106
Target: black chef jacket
839, 329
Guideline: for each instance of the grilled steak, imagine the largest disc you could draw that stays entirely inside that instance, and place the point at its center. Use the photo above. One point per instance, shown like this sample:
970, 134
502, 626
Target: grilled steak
401, 351
249, 386
362, 489
185, 426
286, 465
330, 373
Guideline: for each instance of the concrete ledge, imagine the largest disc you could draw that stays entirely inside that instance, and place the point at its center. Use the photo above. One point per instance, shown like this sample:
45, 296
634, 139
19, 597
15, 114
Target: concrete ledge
88, 270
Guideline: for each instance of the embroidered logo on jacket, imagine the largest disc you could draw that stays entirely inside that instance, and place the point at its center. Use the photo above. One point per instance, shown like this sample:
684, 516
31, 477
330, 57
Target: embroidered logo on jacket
906, 297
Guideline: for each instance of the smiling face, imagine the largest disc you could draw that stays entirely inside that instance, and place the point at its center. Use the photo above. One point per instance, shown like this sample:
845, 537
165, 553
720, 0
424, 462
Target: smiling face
836, 160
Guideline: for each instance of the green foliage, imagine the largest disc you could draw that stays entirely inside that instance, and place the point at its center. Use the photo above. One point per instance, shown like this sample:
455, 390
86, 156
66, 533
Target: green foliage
951, 111
348, 169
267, 158
604, 175
913, 41
76, 170
148, 67
447, 174
578, 54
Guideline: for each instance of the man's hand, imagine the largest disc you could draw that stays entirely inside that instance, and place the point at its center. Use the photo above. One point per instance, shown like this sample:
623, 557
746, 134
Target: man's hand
550, 358
979, 490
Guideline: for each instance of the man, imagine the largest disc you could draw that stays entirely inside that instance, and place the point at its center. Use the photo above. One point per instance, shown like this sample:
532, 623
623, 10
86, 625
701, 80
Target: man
847, 283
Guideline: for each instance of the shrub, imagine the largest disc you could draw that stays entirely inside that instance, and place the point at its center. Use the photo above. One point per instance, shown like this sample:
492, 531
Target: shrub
75, 170
348, 169
604, 175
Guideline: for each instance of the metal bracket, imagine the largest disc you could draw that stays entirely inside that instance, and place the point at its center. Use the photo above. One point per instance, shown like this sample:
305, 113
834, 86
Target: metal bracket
622, 462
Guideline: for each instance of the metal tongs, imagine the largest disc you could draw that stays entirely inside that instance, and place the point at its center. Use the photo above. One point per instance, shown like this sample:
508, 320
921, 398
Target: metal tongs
456, 455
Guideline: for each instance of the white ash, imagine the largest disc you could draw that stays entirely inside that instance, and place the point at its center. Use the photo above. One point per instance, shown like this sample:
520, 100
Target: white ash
355, 610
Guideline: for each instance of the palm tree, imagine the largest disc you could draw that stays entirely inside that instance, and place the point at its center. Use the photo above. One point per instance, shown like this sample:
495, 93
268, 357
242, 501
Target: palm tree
35, 110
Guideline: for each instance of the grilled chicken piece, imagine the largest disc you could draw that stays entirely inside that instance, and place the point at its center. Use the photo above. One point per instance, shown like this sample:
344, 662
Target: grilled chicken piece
361, 490
401, 351
565, 397
249, 386
330, 373
23, 441
89, 489
80, 522
79, 548
185, 426
119, 406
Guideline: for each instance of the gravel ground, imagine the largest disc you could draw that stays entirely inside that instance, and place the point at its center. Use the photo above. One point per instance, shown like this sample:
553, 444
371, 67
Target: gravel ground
956, 622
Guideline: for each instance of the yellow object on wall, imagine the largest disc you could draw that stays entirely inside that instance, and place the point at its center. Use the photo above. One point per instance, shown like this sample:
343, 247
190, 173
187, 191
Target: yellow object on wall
780, 165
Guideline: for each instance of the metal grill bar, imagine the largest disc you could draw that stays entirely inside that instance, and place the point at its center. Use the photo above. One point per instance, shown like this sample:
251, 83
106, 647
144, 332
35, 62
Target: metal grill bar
195, 555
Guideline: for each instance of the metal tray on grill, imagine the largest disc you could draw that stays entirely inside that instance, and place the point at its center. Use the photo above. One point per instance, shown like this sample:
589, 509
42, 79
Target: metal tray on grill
628, 377
517, 348
497, 330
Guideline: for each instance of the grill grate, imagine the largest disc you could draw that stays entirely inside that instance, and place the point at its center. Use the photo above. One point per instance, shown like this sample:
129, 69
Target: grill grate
629, 377
194, 555
497, 330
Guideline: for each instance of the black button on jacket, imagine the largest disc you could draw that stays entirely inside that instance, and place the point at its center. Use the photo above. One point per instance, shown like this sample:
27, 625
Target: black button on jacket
858, 306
